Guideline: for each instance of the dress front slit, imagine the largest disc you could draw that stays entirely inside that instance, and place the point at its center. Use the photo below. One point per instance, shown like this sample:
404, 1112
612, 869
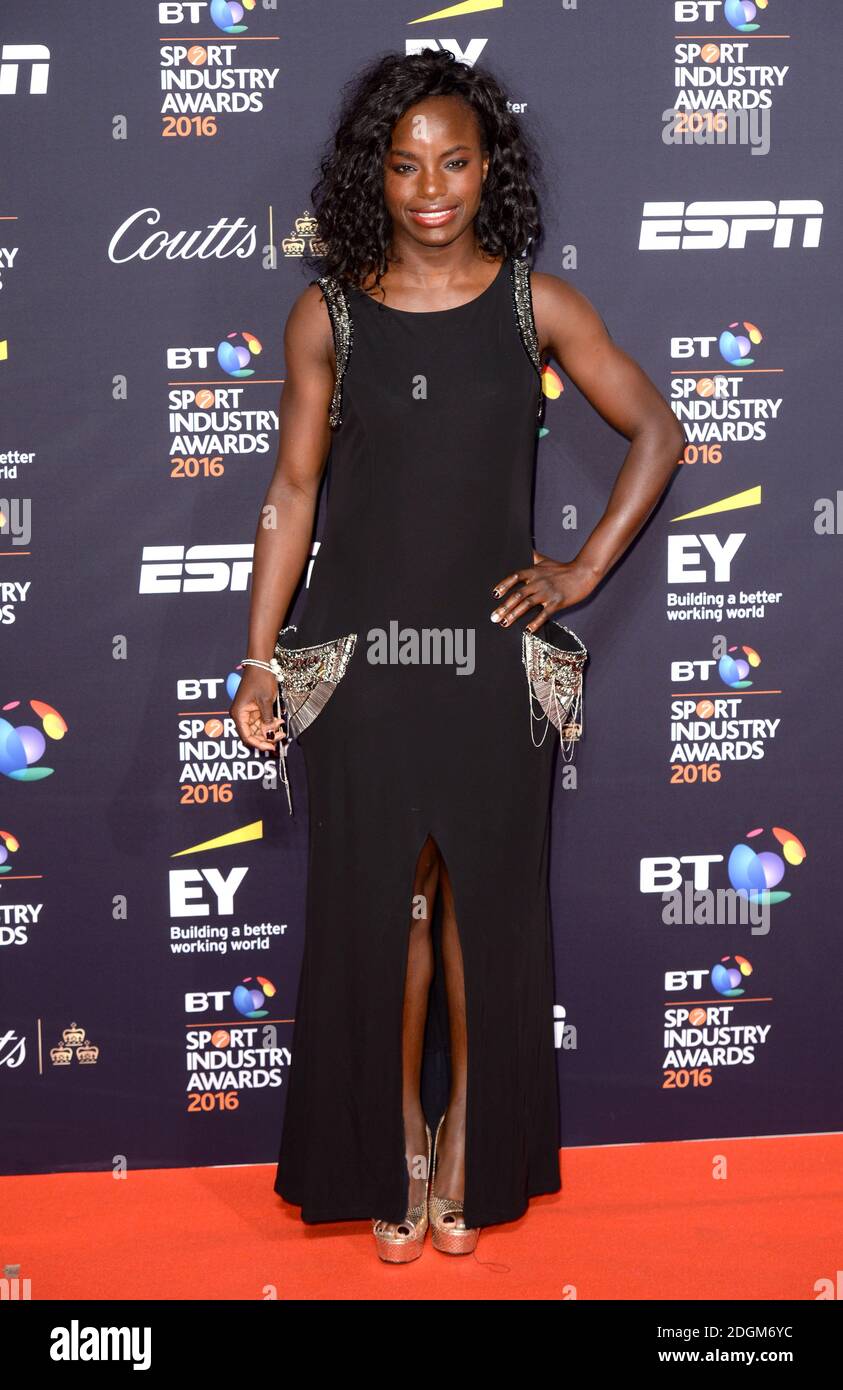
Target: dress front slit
428, 734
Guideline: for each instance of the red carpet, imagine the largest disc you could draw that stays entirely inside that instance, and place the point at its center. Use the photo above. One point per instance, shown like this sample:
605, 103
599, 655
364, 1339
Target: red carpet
646, 1221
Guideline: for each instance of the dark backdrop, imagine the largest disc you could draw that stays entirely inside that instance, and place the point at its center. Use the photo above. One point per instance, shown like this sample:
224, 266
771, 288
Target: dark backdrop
151, 872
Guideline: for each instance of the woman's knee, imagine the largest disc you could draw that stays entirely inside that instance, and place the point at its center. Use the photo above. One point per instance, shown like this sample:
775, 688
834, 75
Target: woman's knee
427, 865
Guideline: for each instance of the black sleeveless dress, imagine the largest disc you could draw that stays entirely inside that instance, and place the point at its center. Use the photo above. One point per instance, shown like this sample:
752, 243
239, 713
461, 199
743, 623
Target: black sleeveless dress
429, 506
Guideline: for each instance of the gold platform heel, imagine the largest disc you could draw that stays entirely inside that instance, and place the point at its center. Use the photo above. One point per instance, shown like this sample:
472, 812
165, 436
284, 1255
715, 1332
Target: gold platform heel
448, 1231
406, 1241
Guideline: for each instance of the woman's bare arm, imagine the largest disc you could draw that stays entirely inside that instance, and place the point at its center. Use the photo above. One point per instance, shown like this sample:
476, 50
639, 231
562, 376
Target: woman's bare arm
570, 329
285, 525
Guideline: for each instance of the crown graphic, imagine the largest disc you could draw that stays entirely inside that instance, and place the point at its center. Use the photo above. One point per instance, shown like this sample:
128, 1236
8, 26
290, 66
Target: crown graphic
293, 246
74, 1038
305, 225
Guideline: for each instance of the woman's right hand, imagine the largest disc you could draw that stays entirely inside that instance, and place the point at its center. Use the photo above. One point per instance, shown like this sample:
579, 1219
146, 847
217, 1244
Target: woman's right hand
252, 709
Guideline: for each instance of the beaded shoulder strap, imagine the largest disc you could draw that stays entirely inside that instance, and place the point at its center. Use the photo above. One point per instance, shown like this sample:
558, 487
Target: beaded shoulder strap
342, 328
523, 301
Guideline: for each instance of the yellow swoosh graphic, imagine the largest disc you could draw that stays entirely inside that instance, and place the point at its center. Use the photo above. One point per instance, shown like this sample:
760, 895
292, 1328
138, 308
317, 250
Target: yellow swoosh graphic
232, 837
751, 497
467, 7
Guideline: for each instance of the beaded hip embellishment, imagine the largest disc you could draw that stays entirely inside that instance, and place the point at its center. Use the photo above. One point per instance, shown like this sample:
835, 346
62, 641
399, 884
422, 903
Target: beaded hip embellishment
307, 678
555, 680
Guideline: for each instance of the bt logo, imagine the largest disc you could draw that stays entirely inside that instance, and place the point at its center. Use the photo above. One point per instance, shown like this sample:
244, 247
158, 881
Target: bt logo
248, 998
226, 14
739, 13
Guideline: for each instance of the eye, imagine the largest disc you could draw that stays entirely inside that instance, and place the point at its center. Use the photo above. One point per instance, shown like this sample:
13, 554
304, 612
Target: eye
410, 168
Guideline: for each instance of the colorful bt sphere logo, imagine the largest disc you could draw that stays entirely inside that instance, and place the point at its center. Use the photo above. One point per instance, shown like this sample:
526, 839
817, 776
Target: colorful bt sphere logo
232, 681
250, 997
9, 844
735, 347
755, 875
227, 14
726, 976
234, 358
733, 670
22, 745
741, 13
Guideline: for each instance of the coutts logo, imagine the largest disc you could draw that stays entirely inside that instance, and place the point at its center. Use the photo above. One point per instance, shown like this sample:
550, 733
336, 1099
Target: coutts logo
218, 240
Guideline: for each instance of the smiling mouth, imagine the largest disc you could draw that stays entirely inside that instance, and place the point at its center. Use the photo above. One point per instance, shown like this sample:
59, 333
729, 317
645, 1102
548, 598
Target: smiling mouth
432, 217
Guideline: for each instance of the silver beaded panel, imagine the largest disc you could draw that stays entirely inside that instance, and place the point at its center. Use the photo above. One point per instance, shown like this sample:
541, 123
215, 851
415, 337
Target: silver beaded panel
303, 667
543, 661
522, 299
342, 327
554, 678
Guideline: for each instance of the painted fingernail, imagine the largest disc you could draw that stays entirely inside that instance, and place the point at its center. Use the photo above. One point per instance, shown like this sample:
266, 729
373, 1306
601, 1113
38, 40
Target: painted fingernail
496, 618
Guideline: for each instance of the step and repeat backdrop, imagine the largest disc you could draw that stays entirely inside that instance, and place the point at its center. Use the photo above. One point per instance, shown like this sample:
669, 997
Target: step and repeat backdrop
155, 218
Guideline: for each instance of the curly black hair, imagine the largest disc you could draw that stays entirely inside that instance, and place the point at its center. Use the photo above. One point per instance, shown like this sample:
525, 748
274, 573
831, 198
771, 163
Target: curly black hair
353, 222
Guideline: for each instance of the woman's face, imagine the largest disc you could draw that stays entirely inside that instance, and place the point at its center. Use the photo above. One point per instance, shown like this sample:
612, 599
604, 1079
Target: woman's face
434, 171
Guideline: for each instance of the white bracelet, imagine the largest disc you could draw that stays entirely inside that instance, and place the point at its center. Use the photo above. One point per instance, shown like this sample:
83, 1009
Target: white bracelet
266, 665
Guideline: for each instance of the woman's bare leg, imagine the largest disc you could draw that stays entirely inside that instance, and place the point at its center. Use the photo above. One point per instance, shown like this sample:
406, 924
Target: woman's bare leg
416, 991
450, 1152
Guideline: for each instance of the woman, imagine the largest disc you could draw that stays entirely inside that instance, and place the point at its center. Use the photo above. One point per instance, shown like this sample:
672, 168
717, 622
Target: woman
416, 361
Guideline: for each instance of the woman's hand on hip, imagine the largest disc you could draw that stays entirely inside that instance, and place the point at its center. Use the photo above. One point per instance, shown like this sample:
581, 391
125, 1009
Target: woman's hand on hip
546, 584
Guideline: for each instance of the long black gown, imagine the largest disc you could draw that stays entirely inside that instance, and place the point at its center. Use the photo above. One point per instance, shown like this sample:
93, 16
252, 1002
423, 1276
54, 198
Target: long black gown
429, 506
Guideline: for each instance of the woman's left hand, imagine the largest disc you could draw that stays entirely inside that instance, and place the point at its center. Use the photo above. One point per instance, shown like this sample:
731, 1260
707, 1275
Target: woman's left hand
547, 584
